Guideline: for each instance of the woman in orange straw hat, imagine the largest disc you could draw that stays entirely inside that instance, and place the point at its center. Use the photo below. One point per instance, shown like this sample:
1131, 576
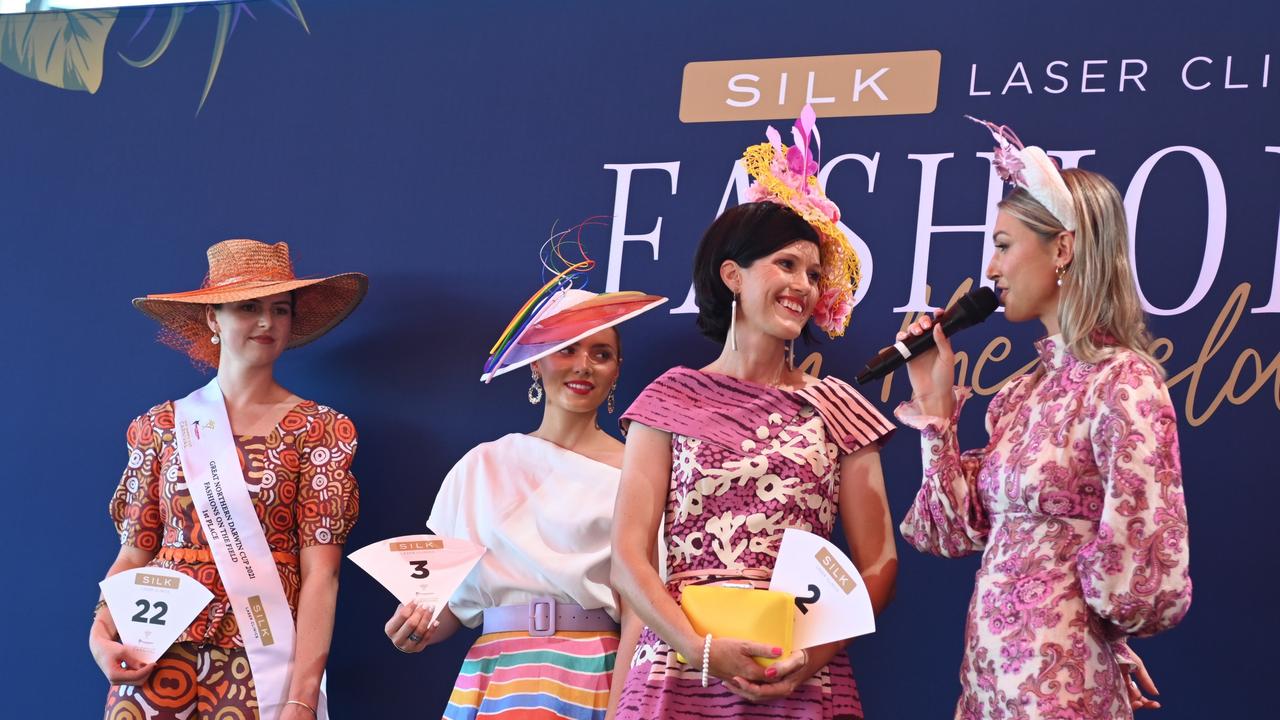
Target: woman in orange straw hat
279, 465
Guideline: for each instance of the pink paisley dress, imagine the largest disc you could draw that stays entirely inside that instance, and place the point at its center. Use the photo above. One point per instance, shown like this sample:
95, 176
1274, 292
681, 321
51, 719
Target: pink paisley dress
747, 462
1076, 505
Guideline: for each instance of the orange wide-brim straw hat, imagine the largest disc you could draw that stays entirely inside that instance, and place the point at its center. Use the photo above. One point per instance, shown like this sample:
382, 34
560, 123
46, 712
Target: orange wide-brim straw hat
244, 270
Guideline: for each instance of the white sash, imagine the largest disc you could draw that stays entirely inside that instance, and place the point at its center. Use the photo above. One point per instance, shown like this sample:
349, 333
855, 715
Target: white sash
215, 479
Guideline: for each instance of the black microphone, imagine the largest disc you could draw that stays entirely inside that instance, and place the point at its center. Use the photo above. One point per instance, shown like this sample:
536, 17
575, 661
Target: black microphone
968, 311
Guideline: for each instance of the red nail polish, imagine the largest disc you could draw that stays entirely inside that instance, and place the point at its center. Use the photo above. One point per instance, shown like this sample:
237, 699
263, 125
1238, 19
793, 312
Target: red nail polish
777, 651
771, 672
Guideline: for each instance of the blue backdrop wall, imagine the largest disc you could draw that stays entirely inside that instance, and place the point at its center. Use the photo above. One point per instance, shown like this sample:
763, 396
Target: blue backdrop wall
432, 145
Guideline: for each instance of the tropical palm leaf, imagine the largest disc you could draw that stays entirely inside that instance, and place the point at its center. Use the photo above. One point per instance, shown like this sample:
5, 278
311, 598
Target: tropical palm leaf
63, 49
219, 45
291, 7
175, 19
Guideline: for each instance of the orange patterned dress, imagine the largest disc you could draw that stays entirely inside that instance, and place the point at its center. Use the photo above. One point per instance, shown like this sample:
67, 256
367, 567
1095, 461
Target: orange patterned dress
301, 485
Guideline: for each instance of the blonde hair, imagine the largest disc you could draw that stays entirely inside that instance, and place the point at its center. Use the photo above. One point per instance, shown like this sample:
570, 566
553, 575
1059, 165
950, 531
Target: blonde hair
1098, 296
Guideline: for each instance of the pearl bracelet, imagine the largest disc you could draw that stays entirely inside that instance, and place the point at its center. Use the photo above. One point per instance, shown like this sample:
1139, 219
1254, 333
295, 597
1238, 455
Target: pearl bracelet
706, 658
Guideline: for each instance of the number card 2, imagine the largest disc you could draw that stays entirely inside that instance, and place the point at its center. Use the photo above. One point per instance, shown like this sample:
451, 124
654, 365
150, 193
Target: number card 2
831, 599
425, 568
152, 606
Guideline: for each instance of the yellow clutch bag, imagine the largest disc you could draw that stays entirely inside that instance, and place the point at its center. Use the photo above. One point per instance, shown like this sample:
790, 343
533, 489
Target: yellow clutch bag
741, 613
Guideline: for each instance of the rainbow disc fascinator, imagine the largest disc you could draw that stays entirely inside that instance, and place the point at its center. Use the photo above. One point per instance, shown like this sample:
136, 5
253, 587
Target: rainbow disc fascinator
562, 312
1031, 169
788, 176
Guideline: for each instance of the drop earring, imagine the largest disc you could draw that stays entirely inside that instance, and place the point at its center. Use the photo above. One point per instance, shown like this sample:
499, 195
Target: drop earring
791, 354
535, 390
1061, 271
733, 323
612, 402
215, 340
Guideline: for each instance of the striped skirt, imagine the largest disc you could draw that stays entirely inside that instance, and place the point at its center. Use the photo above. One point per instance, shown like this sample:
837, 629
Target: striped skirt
513, 675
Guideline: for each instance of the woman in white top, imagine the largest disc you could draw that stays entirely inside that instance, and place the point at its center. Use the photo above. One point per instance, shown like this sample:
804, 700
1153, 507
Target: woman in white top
542, 504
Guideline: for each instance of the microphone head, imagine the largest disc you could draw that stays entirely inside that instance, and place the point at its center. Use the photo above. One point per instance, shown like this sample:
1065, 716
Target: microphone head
975, 307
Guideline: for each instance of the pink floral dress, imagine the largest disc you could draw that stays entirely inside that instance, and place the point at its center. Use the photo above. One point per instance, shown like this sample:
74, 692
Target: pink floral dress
1076, 504
747, 462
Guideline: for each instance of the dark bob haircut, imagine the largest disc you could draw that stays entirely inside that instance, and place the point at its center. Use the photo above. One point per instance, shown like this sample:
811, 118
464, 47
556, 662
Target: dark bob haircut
743, 234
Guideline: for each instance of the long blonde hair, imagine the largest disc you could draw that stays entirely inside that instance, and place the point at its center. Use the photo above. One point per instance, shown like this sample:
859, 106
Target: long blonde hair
1098, 296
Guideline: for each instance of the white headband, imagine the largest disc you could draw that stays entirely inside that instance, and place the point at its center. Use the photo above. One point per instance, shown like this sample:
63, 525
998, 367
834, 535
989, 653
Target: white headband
1032, 170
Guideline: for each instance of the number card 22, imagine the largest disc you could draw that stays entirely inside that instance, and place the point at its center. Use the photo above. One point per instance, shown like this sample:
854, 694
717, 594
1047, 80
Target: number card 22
152, 606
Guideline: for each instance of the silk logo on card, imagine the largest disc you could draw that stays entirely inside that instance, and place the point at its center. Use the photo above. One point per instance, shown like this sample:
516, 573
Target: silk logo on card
417, 545
829, 563
157, 581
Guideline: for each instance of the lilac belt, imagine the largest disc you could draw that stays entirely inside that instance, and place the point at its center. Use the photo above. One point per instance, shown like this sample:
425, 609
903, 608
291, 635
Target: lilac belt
544, 616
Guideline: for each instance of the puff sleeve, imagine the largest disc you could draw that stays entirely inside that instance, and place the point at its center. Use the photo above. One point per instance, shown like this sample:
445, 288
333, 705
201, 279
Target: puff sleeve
947, 517
135, 506
1135, 572
328, 496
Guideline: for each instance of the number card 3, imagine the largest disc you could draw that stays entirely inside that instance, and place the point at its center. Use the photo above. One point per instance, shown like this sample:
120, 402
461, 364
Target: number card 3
831, 599
425, 568
152, 606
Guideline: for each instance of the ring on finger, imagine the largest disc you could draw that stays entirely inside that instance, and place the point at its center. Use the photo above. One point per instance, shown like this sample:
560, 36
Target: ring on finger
413, 637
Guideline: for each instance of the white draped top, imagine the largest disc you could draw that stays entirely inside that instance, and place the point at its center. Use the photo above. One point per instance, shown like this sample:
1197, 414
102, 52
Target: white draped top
545, 515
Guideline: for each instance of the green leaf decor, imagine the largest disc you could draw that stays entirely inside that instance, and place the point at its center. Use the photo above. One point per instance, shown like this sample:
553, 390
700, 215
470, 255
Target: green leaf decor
63, 49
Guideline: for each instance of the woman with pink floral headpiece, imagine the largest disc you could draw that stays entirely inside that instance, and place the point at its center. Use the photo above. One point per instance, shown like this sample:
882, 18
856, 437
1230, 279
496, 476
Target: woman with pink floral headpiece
727, 457
1076, 501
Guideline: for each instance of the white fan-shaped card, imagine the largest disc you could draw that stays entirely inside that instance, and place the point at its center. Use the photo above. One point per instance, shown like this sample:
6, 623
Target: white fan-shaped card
152, 606
831, 599
425, 568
